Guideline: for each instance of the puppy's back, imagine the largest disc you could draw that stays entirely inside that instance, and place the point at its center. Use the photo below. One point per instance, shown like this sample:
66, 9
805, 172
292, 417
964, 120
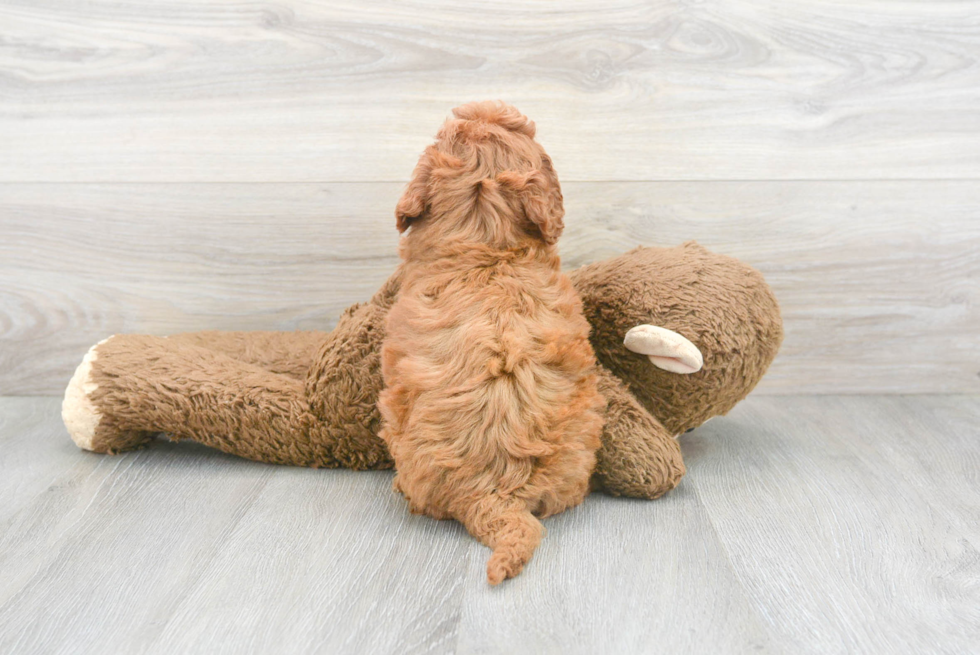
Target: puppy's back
493, 365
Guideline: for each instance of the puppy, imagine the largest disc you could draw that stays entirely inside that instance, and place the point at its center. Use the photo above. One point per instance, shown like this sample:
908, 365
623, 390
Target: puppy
490, 409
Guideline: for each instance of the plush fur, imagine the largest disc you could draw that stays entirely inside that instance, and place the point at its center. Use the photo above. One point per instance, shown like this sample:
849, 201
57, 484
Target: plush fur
491, 410
310, 398
138, 386
720, 304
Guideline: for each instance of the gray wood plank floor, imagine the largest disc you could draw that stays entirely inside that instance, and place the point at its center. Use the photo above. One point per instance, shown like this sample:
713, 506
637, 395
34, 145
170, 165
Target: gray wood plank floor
806, 524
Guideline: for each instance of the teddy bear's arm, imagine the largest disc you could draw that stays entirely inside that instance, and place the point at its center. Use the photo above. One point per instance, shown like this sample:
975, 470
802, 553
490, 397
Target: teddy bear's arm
638, 456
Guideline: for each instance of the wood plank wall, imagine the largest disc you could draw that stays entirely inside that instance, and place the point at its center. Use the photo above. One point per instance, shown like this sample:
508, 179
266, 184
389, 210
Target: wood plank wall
176, 165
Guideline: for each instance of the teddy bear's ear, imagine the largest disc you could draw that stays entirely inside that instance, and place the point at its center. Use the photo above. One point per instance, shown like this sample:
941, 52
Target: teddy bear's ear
665, 348
540, 196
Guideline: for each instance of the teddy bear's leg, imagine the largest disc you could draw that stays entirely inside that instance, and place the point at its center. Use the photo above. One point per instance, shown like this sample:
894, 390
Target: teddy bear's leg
638, 456
285, 353
130, 387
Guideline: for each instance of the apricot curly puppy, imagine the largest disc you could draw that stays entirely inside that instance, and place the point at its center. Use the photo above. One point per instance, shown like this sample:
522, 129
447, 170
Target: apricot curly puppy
491, 410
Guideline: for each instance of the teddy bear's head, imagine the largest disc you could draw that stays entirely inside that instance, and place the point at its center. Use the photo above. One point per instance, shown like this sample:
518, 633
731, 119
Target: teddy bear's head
723, 306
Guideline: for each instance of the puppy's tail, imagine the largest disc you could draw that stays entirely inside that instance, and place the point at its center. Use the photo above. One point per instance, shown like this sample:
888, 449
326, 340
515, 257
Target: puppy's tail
506, 526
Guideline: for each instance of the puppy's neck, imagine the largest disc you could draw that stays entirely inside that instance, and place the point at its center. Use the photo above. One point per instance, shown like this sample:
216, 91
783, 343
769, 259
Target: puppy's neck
462, 253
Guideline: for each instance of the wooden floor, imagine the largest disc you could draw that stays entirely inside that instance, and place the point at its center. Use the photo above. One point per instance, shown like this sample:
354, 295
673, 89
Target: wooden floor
806, 524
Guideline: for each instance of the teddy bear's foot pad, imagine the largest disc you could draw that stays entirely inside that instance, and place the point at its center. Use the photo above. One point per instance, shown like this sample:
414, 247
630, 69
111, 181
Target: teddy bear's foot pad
79, 413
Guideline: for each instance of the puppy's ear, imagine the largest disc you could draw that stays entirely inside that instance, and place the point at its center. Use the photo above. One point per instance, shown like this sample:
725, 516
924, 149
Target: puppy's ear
413, 201
540, 196
433, 165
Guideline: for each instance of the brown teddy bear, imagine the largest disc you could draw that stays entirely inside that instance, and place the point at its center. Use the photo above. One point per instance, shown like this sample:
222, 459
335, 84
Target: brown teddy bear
682, 334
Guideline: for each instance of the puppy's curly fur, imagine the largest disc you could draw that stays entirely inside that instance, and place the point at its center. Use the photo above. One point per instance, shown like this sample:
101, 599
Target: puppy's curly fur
490, 410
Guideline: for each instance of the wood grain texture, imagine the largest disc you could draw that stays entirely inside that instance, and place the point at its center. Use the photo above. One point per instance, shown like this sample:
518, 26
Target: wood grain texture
28, 427
177, 549
806, 524
879, 282
616, 575
294, 90
883, 553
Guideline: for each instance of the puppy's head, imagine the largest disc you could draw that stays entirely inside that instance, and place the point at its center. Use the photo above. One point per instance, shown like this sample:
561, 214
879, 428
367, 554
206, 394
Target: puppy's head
484, 179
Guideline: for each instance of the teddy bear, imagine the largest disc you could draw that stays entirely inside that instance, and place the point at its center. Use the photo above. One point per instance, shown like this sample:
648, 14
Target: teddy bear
681, 335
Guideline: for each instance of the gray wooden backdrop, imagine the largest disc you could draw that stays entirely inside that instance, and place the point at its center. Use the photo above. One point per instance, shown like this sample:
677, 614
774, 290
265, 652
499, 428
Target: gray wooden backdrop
182, 165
